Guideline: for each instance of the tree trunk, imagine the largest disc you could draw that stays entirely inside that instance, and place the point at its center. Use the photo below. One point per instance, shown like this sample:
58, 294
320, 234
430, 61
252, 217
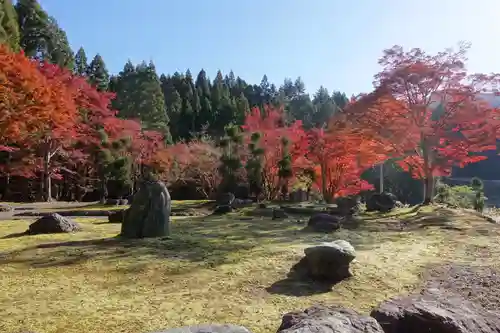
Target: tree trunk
104, 189
323, 182
428, 190
47, 182
381, 175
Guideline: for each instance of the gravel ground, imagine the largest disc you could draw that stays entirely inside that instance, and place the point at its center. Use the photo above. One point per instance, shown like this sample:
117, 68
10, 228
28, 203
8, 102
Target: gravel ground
478, 284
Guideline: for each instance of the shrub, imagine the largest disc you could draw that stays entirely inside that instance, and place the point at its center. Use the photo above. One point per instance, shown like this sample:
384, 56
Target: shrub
455, 196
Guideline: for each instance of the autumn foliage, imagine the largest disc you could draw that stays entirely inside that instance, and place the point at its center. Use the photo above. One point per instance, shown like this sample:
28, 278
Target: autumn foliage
425, 112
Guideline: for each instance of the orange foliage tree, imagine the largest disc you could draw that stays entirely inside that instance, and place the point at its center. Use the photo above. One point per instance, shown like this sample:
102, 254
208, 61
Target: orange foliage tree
30, 102
430, 111
339, 156
37, 107
191, 164
272, 128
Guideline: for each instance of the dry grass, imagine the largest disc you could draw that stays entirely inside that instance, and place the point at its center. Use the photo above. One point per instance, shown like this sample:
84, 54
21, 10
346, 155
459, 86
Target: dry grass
98, 206
229, 269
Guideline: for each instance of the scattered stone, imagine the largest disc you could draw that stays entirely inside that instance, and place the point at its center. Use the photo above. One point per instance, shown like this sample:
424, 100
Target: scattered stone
298, 196
112, 202
117, 217
209, 328
324, 222
382, 202
225, 199
52, 224
238, 203
328, 319
435, 311
348, 206
279, 213
223, 209
330, 261
6, 208
149, 214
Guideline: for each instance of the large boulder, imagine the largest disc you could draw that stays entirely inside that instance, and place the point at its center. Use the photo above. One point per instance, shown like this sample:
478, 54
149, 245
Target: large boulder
279, 213
323, 222
330, 261
328, 319
52, 224
382, 202
435, 311
208, 328
149, 214
225, 199
348, 206
117, 216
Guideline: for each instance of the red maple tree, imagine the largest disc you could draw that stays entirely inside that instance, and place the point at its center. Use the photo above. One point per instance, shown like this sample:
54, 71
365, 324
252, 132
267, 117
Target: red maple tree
272, 128
430, 111
339, 156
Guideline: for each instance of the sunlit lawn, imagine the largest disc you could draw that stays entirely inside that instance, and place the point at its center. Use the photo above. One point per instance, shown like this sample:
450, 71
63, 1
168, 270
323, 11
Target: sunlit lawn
227, 269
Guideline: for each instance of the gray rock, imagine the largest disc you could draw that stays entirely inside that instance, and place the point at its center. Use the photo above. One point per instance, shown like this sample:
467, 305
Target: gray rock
435, 311
324, 222
382, 202
208, 328
6, 208
149, 214
348, 205
117, 217
225, 199
298, 196
223, 209
113, 202
52, 224
238, 203
330, 261
331, 319
279, 213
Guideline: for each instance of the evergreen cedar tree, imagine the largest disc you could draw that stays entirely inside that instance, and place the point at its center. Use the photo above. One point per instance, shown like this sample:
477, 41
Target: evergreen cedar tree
424, 113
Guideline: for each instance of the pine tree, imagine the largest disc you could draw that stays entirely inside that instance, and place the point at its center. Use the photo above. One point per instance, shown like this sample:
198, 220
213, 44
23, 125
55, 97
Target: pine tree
254, 165
285, 167
81, 62
9, 28
230, 159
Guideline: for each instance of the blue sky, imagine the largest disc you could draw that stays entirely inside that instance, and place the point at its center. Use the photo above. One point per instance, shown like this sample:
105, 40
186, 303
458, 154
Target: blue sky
327, 42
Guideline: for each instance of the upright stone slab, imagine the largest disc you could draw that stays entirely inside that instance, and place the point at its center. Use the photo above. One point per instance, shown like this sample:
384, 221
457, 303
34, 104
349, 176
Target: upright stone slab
149, 214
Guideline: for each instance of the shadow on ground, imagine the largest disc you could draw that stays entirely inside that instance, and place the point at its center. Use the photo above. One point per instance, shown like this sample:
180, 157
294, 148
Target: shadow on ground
217, 239
297, 283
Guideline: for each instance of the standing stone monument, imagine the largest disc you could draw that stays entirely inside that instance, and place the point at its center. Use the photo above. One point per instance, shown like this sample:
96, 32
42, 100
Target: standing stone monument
149, 214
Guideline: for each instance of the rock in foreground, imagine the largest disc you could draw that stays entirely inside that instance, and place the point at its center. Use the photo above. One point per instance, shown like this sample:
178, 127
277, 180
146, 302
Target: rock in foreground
435, 311
330, 261
323, 319
209, 328
149, 214
53, 224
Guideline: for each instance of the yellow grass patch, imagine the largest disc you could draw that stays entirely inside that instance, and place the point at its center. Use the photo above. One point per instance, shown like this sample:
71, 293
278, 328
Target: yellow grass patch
228, 269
